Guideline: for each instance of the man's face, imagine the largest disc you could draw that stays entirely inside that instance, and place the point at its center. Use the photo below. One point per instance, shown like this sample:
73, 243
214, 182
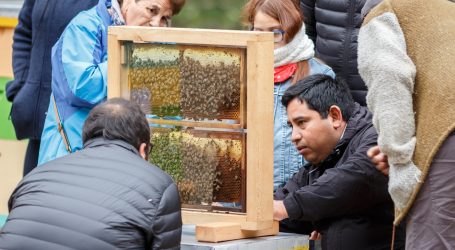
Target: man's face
313, 136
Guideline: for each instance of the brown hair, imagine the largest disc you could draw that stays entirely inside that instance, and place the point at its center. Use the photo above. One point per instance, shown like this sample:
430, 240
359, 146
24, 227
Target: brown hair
303, 69
288, 14
177, 5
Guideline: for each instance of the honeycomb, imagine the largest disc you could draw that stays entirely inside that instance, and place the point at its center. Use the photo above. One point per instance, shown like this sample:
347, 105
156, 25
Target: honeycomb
206, 168
195, 82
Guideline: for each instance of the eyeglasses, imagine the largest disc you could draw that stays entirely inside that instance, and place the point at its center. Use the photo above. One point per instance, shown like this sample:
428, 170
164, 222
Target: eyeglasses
156, 12
167, 21
278, 34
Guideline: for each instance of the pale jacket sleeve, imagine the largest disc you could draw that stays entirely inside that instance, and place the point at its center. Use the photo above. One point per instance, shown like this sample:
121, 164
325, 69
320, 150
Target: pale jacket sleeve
390, 76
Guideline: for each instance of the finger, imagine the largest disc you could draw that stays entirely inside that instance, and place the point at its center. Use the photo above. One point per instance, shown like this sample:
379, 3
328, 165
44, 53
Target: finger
383, 167
373, 151
313, 235
379, 158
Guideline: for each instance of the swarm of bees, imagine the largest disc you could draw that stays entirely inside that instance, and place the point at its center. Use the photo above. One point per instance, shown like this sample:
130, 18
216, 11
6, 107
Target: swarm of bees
199, 167
195, 86
159, 78
227, 186
186, 87
209, 90
166, 153
204, 169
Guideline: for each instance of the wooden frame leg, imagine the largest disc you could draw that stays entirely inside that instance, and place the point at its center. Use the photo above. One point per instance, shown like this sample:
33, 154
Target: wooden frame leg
224, 231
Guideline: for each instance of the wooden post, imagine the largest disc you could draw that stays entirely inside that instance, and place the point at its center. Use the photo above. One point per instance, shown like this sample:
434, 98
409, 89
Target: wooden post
259, 136
113, 66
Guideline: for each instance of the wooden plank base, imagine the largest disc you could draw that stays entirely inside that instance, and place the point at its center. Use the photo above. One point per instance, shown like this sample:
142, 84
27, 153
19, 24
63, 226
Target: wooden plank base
224, 231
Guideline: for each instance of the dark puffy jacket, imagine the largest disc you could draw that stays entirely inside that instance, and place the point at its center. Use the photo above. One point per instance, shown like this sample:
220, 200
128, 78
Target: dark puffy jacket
40, 25
345, 196
102, 197
334, 25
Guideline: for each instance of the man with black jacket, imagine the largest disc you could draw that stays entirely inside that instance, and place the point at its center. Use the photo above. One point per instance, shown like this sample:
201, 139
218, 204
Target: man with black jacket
340, 191
105, 196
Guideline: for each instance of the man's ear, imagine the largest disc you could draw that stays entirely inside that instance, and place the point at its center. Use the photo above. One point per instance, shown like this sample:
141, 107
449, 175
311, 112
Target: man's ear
335, 116
143, 151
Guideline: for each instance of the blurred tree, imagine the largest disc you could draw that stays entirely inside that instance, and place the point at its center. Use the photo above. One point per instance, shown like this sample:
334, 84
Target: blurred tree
211, 14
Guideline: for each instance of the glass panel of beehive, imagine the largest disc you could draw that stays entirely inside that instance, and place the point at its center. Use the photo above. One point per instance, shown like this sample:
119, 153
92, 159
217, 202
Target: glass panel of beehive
189, 83
206, 165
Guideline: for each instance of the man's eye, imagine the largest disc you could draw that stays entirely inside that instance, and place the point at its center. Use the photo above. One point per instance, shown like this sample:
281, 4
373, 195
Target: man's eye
301, 123
289, 124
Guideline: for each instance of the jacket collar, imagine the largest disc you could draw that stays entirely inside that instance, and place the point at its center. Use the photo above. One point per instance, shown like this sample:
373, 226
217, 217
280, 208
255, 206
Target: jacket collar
101, 8
360, 118
100, 142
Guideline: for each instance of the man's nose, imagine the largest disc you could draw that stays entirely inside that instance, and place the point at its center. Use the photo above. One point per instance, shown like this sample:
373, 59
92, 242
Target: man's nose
295, 135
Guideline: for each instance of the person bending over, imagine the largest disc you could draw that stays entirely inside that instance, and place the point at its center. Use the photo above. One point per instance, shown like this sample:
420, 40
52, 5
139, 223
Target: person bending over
105, 196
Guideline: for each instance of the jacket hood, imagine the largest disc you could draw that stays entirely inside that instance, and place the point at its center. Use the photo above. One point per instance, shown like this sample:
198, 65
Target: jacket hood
360, 118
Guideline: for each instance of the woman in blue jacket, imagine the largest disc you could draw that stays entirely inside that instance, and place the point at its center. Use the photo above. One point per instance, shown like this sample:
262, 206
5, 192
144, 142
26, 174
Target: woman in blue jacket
294, 59
79, 67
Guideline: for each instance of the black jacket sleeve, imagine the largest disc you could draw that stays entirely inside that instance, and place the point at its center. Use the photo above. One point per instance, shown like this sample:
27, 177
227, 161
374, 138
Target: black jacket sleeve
307, 7
22, 47
293, 184
346, 189
167, 227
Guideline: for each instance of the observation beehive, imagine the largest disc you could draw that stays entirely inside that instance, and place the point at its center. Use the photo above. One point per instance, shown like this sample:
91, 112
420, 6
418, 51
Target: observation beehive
208, 96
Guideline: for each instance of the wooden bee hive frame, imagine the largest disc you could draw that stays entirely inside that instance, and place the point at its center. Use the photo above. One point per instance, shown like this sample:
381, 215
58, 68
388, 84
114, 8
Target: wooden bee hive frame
258, 220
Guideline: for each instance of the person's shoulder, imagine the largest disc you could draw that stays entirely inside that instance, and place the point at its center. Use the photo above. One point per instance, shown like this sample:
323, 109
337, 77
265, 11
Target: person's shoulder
317, 66
88, 20
155, 170
124, 163
150, 171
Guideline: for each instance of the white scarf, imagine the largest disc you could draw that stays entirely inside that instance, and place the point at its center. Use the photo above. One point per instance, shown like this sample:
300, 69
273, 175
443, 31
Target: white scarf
301, 48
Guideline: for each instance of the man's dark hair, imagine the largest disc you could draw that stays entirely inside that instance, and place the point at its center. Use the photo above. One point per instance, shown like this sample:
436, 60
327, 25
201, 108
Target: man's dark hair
118, 119
320, 92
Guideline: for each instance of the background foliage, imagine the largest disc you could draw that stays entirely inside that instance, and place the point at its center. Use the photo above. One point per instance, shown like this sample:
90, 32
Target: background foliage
211, 14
